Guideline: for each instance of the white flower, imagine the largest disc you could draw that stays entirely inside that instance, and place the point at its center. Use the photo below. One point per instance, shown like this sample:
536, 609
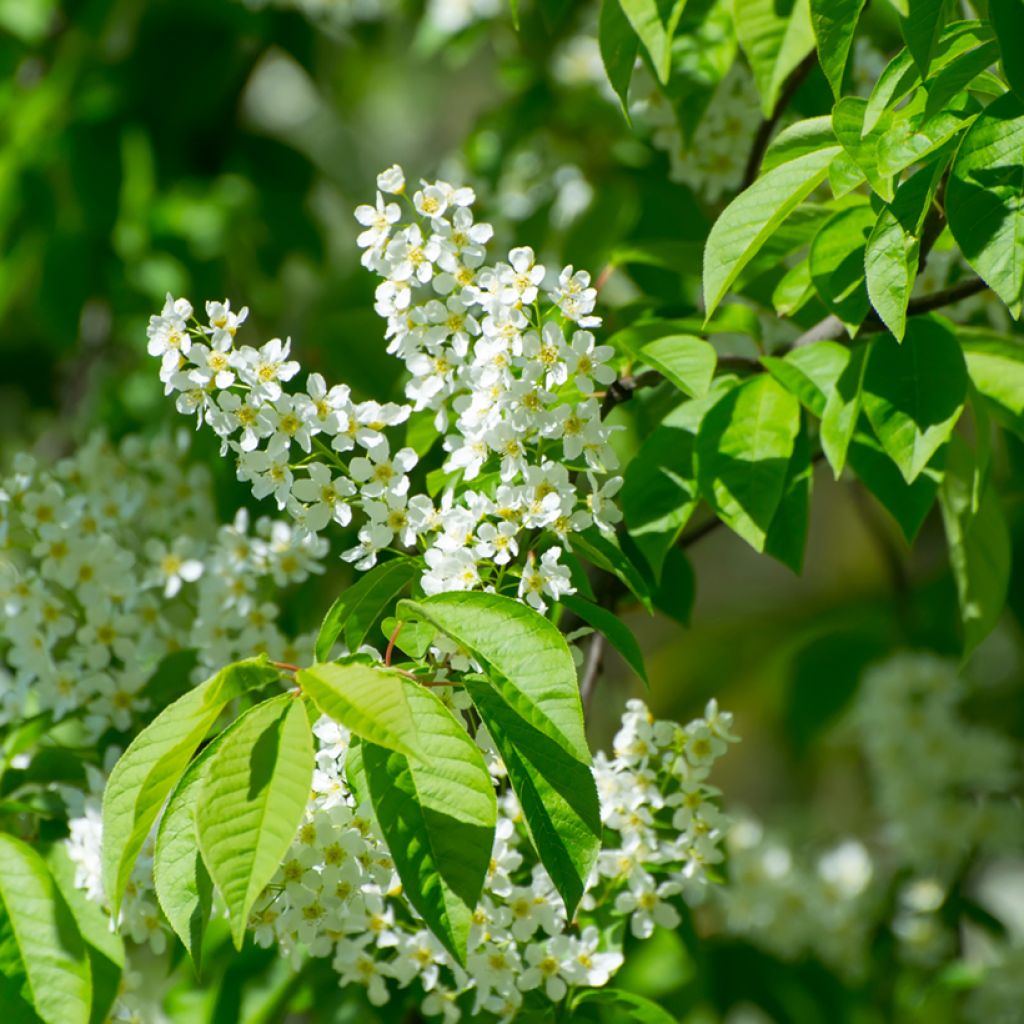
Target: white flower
546, 578
392, 180
224, 324
382, 474
323, 497
377, 221
265, 369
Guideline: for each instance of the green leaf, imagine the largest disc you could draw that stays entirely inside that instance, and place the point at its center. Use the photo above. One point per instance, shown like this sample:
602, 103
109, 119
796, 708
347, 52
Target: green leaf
42, 956
251, 800
655, 32
636, 1009
606, 553
686, 361
862, 148
104, 948
183, 885
787, 534
369, 700
555, 788
775, 35
794, 290
356, 610
810, 372
531, 706
979, 542
985, 198
798, 139
914, 393
837, 264
743, 452
437, 816
835, 22
995, 364
959, 73
619, 635
842, 410
921, 29
893, 250
907, 503
675, 593
1007, 18
619, 45
154, 761
751, 218
915, 135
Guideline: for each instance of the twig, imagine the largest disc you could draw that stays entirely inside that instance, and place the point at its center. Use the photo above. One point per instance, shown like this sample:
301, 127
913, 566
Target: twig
592, 670
767, 126
391, 642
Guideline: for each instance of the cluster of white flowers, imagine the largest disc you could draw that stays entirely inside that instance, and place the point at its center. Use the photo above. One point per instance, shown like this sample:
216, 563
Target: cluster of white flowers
337, 893
941, 783
110, 561
502, 361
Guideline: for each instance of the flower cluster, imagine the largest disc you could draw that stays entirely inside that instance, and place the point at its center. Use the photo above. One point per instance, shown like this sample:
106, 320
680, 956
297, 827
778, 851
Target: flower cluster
501, 361
337, 893
112, 560
941, 782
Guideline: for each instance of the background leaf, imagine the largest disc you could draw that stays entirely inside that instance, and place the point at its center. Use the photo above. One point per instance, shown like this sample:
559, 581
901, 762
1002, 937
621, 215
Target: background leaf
775, 35
835, 22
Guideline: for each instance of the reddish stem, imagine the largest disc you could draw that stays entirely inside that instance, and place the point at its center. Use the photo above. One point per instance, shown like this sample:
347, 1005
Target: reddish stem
391, 643
285, 666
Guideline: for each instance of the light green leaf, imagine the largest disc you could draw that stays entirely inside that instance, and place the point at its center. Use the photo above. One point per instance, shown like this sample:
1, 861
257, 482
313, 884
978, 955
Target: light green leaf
619, 635
893, 250
842, 410
751, 218
907, 503
251, 800
1008, 21
862, 148
810, 372
979, 542
995, 363
369, 700
837, 264
985, 198
687, 361
437, 816
914, 135
655, 31
914, 393
104, 947
835, 22
43, 960
619, 45
154, 761
361, 604
636, 1009
844, 175
922, 27
798, 139
775, 35
743, 452
794, 290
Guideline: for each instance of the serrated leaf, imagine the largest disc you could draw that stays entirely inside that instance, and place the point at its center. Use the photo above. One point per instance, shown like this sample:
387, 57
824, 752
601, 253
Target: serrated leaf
437, 816
251, 800
156, 759
750, 219
862, 148
915, 134
995, 364
775, 35
979, 542
798, 139
842, 410
837, 264
844, 175
985, 198
810, 372
369, 700
359, 606
922, 28
913, 393
835, 22
619, 44
618, 634
893, 250
43, 961
687, 361
1007, 18
743, 451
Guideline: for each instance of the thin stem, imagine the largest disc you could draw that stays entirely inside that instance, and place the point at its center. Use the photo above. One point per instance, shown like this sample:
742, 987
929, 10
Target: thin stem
391, 643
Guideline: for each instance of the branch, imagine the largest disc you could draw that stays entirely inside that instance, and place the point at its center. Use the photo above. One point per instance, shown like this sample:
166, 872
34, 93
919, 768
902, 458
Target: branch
592, 669
767, 126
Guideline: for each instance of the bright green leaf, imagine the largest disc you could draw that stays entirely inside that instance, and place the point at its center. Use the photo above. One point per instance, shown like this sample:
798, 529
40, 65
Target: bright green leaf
251, 800
619, 45
985, 198
775, 35
688, 362
787, 534
810, 372
914, 393
959, 72
915, 135
848, 124
835, 22
154, 761
630, 1006
794, 290
798, 139
837, 264
751, 218
842, 410
655, 30
995, 363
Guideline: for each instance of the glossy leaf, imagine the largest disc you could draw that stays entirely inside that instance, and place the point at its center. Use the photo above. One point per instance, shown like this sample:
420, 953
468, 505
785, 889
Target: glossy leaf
437, 816
687, 361
630, 1006
922, 27
798, 139
810, 372
995, 364
837, 264
862, 148
606, 553
156, 759
842, 410
787, 534
251, 799
835, 22
916, 135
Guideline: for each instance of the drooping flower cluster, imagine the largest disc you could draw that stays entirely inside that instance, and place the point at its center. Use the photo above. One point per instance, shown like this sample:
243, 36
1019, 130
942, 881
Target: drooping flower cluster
942, 784
112, 560
502, 362
337, 893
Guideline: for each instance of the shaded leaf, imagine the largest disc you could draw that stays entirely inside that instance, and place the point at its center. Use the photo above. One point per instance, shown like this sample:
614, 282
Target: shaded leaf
619, 635
837, 264
835, 22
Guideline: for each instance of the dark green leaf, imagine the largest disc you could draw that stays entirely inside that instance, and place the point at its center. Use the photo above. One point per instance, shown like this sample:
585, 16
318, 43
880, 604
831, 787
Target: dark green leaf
1008, 21
775, 35
922, 27
835, 22
837, 264
619, 45
619, 635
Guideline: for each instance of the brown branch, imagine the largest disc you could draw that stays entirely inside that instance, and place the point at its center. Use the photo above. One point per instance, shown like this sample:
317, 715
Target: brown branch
592, 669
767, 126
